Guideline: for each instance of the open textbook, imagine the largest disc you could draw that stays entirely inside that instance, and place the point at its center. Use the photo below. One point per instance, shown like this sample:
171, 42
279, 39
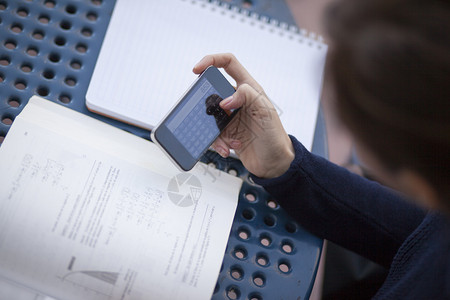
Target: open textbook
88, 211
150, 48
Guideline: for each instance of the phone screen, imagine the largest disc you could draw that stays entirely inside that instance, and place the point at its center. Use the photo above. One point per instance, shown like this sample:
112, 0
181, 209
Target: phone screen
199, 119
196, 120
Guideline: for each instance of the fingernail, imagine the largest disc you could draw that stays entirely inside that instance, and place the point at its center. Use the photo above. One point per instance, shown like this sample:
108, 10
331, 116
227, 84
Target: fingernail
226, 102
221, 151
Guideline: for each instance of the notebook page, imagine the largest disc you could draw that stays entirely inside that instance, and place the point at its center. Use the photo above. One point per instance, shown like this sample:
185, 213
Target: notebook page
151, 47
78, 221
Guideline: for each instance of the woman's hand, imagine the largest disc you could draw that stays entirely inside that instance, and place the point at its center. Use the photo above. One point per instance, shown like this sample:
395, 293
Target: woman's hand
255, 133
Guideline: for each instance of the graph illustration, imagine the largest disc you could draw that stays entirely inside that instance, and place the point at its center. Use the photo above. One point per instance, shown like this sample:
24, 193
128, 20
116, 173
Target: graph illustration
99, 282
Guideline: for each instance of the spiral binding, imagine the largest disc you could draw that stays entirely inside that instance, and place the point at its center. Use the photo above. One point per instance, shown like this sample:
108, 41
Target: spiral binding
282, 28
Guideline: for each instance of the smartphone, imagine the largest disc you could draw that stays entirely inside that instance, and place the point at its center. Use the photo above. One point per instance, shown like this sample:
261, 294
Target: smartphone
196, 120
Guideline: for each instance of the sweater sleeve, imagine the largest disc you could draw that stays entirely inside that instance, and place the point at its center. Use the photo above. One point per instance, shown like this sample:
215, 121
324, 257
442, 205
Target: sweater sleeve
356, 213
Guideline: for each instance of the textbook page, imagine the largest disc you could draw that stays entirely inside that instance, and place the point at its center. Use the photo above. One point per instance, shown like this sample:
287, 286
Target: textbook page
13, 290
88, 211
146, 60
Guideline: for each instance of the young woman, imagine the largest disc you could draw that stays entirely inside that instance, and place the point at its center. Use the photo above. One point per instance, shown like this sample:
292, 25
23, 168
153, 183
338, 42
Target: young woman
389, 62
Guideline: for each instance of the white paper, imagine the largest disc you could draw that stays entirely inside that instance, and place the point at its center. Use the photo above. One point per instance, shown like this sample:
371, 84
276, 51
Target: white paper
88, 211
150, 48
13, 290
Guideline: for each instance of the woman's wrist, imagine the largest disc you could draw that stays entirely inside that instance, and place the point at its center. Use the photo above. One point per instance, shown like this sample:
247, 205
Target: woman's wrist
282, 161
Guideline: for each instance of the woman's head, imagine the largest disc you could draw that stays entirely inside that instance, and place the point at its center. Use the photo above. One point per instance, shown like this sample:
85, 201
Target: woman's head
390, 65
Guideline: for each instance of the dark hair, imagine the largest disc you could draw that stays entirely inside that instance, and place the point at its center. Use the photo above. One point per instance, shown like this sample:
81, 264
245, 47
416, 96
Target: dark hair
389, 61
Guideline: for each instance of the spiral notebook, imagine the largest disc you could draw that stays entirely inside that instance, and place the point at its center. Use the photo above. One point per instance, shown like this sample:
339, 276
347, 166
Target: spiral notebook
150, 48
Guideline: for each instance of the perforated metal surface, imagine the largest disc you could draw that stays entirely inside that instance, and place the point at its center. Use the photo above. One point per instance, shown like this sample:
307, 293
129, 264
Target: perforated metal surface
49, 48
268, 256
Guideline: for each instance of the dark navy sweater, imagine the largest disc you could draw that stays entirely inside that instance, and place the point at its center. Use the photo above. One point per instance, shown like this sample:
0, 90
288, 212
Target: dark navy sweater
371, 220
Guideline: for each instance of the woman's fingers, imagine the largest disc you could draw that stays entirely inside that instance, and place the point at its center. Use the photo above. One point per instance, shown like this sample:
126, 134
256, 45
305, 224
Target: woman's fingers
244, 95
230, 64
221, 147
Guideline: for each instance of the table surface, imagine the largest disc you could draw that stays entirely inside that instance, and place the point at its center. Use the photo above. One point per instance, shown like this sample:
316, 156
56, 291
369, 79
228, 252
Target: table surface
49, 48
